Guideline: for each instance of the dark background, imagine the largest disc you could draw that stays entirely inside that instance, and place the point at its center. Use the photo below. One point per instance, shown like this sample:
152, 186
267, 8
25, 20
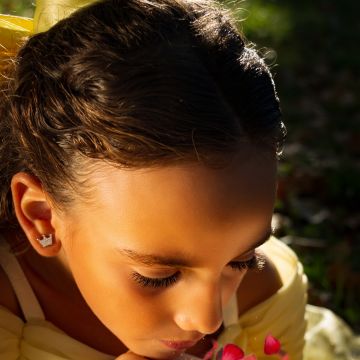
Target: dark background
313, 50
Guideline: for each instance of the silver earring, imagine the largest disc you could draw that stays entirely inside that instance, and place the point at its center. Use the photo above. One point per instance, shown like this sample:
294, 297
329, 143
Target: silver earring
46, 240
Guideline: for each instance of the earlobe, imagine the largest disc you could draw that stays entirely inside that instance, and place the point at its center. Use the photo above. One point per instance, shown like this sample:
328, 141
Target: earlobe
34, 213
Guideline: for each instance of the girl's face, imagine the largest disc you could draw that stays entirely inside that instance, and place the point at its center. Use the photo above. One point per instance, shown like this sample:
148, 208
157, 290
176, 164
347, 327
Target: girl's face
158, 253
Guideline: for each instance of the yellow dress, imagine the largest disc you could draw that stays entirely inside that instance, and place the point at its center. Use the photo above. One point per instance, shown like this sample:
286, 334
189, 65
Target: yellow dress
282, 315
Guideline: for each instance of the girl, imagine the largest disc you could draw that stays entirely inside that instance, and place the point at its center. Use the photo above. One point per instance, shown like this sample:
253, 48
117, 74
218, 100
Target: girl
139, 144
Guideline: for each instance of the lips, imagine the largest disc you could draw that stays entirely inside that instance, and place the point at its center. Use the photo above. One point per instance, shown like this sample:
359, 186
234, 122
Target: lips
179, 345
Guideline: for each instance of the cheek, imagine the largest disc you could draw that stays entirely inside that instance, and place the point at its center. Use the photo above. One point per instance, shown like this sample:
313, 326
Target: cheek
122, 306
106, 285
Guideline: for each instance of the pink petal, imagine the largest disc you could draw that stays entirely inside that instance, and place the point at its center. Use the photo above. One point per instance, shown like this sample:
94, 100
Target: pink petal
285, 357
232, 352
210, 353
271, 345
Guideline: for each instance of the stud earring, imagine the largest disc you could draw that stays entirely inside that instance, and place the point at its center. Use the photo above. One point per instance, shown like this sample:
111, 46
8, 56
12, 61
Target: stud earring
46, 240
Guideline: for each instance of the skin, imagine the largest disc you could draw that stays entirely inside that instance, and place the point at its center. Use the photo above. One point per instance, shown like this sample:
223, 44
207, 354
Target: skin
207, 217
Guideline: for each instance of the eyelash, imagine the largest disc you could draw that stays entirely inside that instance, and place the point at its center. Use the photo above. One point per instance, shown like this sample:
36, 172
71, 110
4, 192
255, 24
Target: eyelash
155, 282
255, 263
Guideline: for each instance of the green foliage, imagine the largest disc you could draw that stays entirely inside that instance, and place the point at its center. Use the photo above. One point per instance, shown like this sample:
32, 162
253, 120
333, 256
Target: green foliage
262, 19
18, 7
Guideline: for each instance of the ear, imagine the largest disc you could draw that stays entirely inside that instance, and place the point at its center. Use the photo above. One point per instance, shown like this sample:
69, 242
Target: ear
34, 212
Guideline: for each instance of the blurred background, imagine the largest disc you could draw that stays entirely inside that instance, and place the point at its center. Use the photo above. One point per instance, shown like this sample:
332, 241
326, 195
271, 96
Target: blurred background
312, 48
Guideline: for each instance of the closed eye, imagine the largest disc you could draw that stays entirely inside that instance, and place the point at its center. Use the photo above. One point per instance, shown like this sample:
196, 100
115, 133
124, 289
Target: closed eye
256, 262
148, 282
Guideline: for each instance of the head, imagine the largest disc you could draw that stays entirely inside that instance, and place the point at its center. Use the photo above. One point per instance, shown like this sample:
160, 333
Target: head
144, 138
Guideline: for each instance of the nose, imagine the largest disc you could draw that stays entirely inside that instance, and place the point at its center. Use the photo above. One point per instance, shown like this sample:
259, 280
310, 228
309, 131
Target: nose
200, 309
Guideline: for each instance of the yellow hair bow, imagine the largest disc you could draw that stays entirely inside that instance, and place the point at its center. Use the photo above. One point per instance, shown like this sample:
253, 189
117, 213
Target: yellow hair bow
15, 29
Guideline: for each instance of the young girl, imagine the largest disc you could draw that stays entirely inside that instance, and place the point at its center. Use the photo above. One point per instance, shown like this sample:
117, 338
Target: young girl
139, 144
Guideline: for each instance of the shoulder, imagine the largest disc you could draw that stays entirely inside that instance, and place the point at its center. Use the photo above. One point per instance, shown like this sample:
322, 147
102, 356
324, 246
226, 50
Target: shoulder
257, 286
282, 270
272, 301
8, 297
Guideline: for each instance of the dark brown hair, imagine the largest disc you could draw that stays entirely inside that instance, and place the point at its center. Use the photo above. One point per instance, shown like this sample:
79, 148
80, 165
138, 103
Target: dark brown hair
137, 83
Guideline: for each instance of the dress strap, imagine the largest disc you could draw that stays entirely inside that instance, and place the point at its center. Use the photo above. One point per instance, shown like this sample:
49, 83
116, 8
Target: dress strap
25, 295
230, 312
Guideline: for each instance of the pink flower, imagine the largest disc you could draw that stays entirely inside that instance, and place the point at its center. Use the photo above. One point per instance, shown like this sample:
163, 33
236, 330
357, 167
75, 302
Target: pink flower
228, 352
232, 352
271, 345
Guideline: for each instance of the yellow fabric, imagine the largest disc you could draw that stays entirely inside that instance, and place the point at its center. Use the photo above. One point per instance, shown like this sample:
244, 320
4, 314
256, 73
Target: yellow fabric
14, 31
49, 12
40, 340
328, 337
282, 315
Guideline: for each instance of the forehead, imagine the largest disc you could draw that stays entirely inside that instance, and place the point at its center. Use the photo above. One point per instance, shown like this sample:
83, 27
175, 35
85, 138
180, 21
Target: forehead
183, 202
251, 174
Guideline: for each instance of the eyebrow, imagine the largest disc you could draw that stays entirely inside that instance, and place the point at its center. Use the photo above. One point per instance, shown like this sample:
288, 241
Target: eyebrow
152, 259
